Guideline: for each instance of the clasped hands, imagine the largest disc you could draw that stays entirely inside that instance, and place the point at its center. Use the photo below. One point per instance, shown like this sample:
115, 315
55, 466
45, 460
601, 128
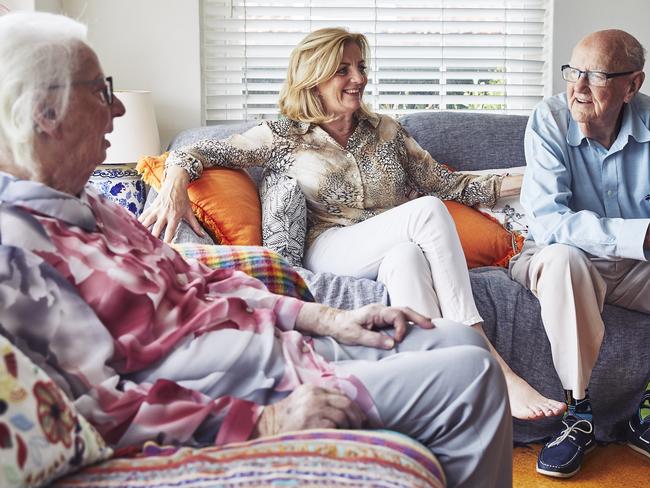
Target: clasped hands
311, 407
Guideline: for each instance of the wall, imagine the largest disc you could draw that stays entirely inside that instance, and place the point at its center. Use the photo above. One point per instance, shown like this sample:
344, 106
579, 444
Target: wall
18, 4
573, 19
149, 45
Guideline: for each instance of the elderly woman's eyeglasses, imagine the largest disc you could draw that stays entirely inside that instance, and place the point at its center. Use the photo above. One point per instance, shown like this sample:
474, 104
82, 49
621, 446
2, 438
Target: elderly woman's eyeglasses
594, 78
107, 87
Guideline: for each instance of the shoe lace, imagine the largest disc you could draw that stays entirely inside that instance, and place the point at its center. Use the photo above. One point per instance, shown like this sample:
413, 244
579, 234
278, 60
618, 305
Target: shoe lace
576, 426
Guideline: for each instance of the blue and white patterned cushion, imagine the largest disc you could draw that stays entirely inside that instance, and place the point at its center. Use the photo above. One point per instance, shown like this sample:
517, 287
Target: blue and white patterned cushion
507, 210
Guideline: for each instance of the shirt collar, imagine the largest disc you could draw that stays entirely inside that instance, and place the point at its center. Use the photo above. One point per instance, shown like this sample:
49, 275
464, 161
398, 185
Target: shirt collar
47, 201
372, 119
638, 128
301, 128
632, 125
574, 135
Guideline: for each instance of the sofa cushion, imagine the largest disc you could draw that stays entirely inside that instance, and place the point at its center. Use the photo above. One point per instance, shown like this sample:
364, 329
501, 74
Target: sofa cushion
466, 141
332, 458
508, 211
42, 436
484, 240
284, 217
264, 264
224, 200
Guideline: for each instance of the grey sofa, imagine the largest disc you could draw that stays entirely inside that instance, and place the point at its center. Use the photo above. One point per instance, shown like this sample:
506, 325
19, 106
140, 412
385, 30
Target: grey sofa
468, 141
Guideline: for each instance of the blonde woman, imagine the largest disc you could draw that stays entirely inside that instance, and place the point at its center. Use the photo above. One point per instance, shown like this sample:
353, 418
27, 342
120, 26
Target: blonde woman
358, 171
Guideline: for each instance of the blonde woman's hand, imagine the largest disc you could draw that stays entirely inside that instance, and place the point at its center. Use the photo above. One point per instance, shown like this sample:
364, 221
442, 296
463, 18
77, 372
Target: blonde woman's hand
310, 407
359, 327
511, 185
171, 205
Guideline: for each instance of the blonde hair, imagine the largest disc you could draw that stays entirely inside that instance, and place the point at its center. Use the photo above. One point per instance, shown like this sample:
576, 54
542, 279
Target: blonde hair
313, 61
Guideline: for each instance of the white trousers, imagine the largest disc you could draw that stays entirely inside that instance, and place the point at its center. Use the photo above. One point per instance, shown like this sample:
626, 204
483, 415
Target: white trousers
572, 288
413, 249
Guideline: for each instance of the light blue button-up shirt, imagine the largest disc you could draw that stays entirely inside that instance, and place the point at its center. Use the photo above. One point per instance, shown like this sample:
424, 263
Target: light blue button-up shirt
579, 193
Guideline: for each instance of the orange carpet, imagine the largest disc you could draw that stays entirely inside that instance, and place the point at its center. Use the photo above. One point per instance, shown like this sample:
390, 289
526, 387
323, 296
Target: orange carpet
612, 466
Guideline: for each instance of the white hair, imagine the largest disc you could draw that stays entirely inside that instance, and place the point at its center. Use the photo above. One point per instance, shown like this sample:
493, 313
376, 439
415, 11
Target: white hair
38, 51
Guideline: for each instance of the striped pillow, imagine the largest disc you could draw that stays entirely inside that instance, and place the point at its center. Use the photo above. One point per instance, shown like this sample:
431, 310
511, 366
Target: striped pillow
265, 265
323, 457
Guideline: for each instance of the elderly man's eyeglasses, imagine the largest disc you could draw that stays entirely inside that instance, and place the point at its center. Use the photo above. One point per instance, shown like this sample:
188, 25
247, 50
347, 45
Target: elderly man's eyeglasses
594, 78
107, 87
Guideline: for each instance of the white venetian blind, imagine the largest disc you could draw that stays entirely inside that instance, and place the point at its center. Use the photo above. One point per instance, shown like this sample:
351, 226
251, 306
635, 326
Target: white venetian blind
478, 55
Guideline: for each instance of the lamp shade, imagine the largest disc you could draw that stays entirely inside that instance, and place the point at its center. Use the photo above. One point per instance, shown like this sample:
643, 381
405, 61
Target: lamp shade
135, 134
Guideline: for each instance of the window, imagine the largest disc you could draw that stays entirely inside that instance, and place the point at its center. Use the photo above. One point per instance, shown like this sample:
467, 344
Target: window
477, 55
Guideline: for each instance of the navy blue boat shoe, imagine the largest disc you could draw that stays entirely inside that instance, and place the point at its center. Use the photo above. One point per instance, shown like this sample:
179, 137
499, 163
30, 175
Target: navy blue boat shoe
562, 456
638, 430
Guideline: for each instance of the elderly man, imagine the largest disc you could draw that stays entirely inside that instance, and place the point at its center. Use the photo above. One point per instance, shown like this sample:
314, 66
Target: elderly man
154, 347
587, 194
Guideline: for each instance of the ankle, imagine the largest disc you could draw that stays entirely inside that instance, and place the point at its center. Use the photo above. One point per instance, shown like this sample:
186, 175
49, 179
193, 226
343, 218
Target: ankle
578, 407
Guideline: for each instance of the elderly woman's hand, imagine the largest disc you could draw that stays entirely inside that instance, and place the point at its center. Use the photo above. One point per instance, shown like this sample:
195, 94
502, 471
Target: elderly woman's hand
171, 205
310, 407
355, 327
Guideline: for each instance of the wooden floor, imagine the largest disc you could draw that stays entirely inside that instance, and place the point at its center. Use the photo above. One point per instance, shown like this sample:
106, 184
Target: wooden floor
612, 466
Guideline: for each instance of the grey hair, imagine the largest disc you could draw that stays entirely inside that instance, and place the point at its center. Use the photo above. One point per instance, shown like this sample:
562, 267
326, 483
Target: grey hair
38, 51
635, 53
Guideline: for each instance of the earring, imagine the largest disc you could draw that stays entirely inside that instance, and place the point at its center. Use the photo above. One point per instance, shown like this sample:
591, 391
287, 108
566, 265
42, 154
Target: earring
38, 129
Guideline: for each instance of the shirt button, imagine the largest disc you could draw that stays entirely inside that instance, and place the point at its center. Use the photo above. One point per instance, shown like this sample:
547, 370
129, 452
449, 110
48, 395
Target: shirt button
609, 193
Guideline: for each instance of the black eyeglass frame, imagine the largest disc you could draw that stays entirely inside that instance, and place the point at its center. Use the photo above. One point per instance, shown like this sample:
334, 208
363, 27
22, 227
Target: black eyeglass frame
107, 88
586, 73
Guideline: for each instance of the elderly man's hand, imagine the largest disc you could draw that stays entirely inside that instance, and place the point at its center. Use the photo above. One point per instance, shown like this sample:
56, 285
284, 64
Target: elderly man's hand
172, 204
310, 407
355, 327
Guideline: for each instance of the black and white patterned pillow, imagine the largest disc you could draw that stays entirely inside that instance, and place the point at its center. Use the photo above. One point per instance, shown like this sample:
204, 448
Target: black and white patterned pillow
284, 217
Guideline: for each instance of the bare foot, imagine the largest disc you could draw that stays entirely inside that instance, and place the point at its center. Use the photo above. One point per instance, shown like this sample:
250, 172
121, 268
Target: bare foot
526, 403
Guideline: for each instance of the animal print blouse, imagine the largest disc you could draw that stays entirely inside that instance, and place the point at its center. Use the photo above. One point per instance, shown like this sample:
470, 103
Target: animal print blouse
381, 167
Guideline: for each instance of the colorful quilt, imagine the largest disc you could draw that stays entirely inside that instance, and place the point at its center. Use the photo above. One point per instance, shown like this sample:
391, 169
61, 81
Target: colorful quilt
265, 265
332, 458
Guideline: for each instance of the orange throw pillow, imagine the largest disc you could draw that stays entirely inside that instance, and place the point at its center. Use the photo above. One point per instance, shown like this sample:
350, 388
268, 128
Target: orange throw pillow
484, 240
224, 200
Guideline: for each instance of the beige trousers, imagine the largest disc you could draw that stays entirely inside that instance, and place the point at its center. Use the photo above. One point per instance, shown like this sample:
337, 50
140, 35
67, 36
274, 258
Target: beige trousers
572, 287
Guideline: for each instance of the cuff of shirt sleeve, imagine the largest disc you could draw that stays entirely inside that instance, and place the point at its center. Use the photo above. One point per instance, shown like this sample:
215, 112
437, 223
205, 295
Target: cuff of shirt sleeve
186, 161
239, 422
496, 194
631, 237
286, 312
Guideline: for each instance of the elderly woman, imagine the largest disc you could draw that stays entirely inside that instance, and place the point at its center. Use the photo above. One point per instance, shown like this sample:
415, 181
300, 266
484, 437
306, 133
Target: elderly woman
153, 347
358, 171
